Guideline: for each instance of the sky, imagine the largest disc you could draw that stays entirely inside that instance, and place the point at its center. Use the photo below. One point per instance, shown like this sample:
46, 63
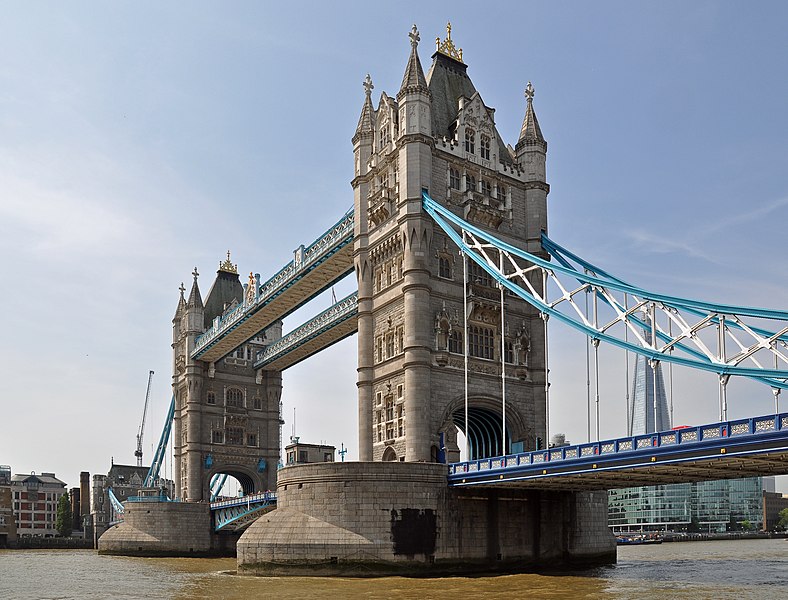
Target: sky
141, 139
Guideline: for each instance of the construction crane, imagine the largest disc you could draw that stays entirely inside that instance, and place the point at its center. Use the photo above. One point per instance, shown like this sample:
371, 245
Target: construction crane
141, 431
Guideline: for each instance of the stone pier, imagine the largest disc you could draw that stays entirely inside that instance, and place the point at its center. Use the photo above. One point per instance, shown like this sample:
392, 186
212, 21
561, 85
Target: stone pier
370, 519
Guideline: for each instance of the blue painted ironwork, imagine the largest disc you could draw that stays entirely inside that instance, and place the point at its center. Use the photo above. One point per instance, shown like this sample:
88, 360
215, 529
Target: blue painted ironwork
689, 348
735, 438
345, 309
117, 505
161, 450
239, 512
217, 484
307, 259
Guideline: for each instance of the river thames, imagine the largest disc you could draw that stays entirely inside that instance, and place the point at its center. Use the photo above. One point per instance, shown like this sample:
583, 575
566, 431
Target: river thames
715, 569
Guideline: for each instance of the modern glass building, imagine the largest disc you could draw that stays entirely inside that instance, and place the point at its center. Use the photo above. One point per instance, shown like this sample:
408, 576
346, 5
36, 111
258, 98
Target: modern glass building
709, 505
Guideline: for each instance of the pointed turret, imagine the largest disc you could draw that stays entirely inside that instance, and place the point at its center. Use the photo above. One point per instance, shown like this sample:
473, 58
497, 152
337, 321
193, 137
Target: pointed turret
366, 122
414, 98
530, 132
181, 304
413, 80
195, 300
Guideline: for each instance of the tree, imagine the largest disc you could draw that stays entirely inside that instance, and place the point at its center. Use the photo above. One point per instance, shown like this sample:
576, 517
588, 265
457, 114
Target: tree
746, 525
783, 522
64, 522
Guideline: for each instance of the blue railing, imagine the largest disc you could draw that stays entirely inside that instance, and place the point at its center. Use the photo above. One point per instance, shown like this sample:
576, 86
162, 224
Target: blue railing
156, 498
684, 436
261, 497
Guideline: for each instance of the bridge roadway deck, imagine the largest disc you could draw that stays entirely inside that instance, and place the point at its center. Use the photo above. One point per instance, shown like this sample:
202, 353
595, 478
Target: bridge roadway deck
733, 449
326, 329
314, 269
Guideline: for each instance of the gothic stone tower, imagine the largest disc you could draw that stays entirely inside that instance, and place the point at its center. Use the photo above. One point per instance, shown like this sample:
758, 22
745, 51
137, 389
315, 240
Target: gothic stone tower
227, 417
438, 135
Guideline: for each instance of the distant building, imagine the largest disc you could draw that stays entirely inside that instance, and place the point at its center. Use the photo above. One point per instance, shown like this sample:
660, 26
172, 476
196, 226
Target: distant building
35, 503
773, 503
7, 519
709, 505
298, 453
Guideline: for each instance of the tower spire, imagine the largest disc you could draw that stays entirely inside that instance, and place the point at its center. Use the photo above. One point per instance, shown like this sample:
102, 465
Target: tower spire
195, 300
366, 122
181, 302
530, 132
413, 80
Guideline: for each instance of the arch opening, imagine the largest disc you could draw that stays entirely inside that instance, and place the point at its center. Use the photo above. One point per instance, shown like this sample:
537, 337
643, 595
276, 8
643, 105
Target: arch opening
225, 484
484, 435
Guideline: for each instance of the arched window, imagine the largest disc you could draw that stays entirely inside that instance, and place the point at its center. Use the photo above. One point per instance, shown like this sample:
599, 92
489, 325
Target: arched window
234, 397
501, 193
509, 352
444, 267
454, 178
484, 147
470, 141
210, 397
470, 182
486, 187
389, 454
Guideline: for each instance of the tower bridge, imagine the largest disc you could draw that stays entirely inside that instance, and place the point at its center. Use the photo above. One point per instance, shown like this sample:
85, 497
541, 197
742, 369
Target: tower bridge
457, 282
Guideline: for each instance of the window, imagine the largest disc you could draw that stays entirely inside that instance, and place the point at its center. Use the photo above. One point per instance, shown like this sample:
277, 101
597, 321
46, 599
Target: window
235, 435
454, 179
509, 352
380, 348
390, 431
444, 267
234, 398
400, 390
389, 274
217, 437
258, 404
486, 187
399, 268
210, 397
251, 439
501, 192
481, 342
455, 342
303, 456
401, 335
470, 141
380, 433
328, 457
484, 147
390, 345
470, 182
389, 408
239, 352
379, 279
479, 276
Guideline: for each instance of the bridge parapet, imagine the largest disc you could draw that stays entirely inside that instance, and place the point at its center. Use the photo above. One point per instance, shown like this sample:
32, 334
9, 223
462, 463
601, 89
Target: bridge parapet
745, 447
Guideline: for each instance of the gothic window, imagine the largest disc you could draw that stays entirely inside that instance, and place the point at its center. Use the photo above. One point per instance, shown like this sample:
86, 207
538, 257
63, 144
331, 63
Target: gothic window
455, 342
389, 270
399, 268
484, 147
470, 182
234, 397
479, 276
444, 267
380, 433
251, 439
390, 431
217, 437
486, 187
509, 352
481, 341
239, 352
501, 192
379, 279
258, 404
454, 178
390, 345
210, 397
380, 348
235, 436
470, 141
248, 353
389, 408
401, 335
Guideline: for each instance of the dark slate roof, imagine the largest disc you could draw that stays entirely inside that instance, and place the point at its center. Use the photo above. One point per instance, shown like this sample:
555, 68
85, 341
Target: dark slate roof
447, 81
226, 288
126, 472
45, 478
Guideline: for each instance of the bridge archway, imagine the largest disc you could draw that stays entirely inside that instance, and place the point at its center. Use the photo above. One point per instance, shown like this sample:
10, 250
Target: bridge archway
247, 482
485, 435
389, 455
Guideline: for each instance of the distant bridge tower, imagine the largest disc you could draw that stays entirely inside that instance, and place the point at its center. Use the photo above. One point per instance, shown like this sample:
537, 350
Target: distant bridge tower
226, 416
438, 135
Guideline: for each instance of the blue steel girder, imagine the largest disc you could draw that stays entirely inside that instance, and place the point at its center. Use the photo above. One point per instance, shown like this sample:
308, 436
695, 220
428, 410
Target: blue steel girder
329, 327
705, 333
238, 513
313, 270
751, 447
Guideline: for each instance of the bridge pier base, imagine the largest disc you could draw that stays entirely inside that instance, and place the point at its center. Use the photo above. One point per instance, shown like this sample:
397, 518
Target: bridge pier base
166, 529
370, 519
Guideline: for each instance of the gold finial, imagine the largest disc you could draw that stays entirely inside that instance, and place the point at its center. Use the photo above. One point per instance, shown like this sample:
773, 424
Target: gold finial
447, 47
227, 266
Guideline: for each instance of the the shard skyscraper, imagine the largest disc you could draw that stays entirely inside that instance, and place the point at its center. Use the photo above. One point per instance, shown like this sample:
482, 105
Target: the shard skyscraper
648, 387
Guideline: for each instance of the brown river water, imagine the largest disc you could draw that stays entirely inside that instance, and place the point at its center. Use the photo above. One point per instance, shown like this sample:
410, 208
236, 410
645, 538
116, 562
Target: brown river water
715, 569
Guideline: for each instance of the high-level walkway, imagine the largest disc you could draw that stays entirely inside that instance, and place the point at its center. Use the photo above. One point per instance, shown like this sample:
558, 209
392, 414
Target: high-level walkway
312, 270
728, 450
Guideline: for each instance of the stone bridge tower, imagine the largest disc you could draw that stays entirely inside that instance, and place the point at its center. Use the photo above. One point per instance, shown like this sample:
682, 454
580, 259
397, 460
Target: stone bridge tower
438, 135
227, 416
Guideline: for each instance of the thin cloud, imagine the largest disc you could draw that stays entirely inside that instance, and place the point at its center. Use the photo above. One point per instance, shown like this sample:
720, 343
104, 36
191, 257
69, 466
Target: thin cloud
662, 245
